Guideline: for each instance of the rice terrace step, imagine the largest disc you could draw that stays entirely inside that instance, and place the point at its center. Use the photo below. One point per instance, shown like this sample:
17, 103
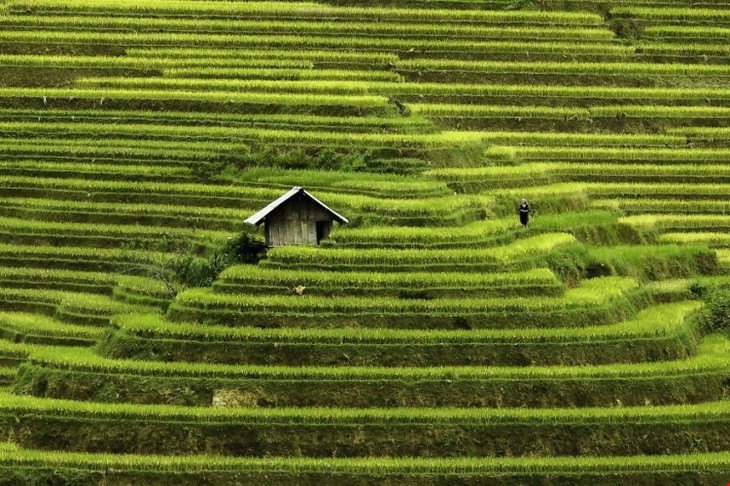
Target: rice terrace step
419, 242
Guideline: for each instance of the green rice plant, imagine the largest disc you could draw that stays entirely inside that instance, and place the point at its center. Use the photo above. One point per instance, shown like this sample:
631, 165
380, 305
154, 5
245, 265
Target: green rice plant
33, 328
688, 174
567, 69
485, 111
677, 222
368, 59
479, 179
570, 139
29, 251
152, 381
66, 150
476, 179
155, 214
553, 199
379, 140
476, 234
551, 119
371, 59
632, 22
609, 298
145, 291
58, 61
97, 235
94, 171
299, 10
687, 34
330, 87
651, 322
678, 50
712, 412
711, 357
152, 287
472, 234
657, 190
672, 15
112, 231
425, 259
72, 307
710, 284
662, 53
653, 262
633, 155
13, 353
311, 304
488, 117
589, 226
126, 244
158, 150
600, 6
30, 463
706, 136
186, 152
244, 65
75, 258
669, 112
289, 431
32, 70
115, 43
127, 7
446, 93
185, 57
239, 195
155, 65
52, 275
712, 239
55, 279
434, 210
322, 26
421, 92
425, 92
715, 132
283, 74
255, 280
685, 53
723, 258
383, 185
662, 206
666, 331
121, 286
189, 100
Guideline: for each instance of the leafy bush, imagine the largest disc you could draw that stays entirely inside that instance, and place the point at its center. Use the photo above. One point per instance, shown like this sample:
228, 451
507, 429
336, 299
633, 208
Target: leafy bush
246, 248
192, 271
716, 312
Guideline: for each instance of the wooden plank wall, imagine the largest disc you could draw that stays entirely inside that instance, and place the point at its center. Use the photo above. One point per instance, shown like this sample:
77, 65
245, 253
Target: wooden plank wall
295, 222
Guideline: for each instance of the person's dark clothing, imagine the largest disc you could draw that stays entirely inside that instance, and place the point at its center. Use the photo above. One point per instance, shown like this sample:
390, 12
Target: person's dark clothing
524, 214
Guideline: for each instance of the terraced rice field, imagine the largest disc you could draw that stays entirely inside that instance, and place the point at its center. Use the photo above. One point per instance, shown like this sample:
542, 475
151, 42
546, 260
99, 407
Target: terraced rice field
430, 341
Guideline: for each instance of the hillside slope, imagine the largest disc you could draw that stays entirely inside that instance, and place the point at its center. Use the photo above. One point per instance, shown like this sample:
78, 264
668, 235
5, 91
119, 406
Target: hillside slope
431, 341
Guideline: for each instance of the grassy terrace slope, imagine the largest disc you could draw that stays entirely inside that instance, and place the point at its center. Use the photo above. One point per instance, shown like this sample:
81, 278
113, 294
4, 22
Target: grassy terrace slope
432, 340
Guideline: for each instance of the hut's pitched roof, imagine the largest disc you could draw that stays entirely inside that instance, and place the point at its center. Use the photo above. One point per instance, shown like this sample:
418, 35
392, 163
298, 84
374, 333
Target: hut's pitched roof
259, 217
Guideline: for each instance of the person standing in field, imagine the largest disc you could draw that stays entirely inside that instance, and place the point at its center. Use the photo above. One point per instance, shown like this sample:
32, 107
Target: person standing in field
524, 210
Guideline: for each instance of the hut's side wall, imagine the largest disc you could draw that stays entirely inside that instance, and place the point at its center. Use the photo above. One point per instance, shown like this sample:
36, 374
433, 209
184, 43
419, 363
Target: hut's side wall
295, 223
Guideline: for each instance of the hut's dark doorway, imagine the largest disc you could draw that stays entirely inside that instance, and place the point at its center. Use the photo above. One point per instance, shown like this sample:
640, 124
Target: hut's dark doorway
323, 230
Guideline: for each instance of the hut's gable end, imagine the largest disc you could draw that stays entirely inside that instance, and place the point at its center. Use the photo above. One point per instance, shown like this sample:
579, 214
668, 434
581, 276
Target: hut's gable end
298, 221
296, 218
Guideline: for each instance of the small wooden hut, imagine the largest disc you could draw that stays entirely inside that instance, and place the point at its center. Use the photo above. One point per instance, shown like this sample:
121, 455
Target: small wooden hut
296, 218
